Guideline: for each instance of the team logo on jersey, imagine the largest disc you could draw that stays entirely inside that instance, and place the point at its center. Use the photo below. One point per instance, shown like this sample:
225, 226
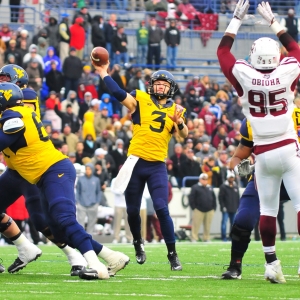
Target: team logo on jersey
19, 72
7, 94
266, 76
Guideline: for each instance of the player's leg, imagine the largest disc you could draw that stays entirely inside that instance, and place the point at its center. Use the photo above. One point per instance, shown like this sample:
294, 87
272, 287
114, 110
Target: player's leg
268, 179
245, 219
133, 197
158, 189
58, 201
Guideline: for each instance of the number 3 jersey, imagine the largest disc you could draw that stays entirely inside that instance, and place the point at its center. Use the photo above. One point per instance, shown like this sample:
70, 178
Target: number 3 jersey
33, 152
267, 99
152, 128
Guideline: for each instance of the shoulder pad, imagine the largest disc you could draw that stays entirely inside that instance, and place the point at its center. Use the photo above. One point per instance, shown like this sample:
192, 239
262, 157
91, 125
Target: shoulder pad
29, 94
13, 125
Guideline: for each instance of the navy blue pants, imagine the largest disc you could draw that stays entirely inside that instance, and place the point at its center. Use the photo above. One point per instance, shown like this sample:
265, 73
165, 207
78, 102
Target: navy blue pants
58, 203
155, 175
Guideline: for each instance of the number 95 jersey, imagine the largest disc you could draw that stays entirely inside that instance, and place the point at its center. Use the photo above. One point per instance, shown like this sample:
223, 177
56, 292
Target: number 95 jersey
152, 128
33, 152
267, 99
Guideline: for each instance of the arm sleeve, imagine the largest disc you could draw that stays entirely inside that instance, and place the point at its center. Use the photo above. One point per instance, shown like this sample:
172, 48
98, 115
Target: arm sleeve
227, 61
291, 46
7, 140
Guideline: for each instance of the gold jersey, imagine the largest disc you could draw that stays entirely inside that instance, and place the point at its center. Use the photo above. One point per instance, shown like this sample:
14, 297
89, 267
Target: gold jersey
33, 153
152, 128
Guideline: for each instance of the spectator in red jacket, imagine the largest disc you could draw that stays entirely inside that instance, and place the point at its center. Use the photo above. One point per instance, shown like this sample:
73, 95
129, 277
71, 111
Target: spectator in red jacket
77, 39
208, 117
50, 114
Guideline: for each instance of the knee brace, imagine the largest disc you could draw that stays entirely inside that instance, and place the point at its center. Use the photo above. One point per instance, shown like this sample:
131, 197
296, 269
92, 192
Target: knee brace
4, 226
239, 234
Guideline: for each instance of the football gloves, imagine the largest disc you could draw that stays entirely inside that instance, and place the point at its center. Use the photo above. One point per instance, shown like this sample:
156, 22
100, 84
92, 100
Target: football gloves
241, 9
264, 9
244, 168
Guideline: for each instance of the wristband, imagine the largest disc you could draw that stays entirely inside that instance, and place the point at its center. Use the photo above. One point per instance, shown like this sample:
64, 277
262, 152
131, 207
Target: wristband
114, 88
180, 126
234, 26
276, 27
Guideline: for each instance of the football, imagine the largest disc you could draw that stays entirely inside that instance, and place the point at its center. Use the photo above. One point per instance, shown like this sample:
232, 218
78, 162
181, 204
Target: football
99, 56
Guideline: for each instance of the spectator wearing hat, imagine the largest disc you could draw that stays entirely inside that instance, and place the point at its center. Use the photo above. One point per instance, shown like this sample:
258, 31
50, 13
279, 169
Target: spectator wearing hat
172, 39
119, 46
87, 82
51, 58
64, 37
103, 122
209, 167
72, 69
50, 114
67, 117
194, 102
119, 156
206, 148
97, 35
178, 159
12, 49
77, 36
55, 139
85, 105
73, 101
35, 77
195, 82
136, 82
202, 200
5, 33
106, 140
155, 37
69, 138
105, 102
42, 46
229, 198
33, 53
55, 79
142, 36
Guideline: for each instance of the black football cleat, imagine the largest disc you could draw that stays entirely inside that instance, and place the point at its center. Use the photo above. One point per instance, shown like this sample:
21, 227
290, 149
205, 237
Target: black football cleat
19, 264
2, 269
140, 254
174, 262
75, 270
92, 274
234, 271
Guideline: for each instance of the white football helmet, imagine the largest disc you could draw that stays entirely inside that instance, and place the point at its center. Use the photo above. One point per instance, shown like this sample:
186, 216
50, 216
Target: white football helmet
265, 54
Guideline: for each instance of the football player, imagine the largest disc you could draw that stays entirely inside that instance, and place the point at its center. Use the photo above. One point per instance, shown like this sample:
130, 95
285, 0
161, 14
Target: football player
266, 88
155, 117
30, 152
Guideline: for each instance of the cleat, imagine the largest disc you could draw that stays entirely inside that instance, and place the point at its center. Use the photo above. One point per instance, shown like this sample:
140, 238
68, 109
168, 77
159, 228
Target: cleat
93, 274
140, 254
75, 270
234, 271
26, 255
2, 269
174, 262
117, 262
273, 272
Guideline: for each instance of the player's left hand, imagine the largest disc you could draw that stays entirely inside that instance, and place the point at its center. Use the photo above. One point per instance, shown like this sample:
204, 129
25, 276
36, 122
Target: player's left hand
244, 168
176, 118
241, 10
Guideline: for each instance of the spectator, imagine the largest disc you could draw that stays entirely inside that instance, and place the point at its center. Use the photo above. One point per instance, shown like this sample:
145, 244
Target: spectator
88, 196
2, 51
72, 69
229, 198
12, 49
69, 138
72, 100
203, 203
64, 37
223, 99
14, 10
208, 117
291, 24
103, 122
186, 11
190, 167
178, 158
233, 133
23, 49
219, 140
110, 30
107, 162
142, 36
32, 53
80, 153
119, 156
105, 102
209, 168
84, 106
235, 111
222, 165
50, 114
68, 117
195, 82
136, 82
35, 78
215, 108
85, 15
172, 39
156, 5
55, 79
5, 34
42, 46
194, 102
55, 139
97, 35
90, 118
50, 58
105, 140
155, 37
90, 145
119, 46
119, 214
86, 83
52, 32
77, 37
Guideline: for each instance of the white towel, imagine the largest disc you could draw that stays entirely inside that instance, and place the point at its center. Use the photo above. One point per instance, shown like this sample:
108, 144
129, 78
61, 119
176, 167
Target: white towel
124, 175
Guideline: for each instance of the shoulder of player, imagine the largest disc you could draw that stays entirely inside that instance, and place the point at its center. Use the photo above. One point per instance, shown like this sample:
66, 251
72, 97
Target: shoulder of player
288, 60
241, 63
13, 125
9, 114
29, 94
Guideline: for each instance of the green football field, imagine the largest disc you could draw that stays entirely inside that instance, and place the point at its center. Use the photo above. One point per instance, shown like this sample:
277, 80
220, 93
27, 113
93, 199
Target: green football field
203, 264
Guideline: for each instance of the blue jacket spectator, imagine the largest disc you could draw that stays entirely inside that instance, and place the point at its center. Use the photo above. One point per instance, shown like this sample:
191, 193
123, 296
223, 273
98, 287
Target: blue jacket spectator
49, 58
105, 102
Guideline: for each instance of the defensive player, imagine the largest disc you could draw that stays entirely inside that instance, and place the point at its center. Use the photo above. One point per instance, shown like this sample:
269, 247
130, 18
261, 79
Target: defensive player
12, 186
266, 87
29, 151
155, 117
